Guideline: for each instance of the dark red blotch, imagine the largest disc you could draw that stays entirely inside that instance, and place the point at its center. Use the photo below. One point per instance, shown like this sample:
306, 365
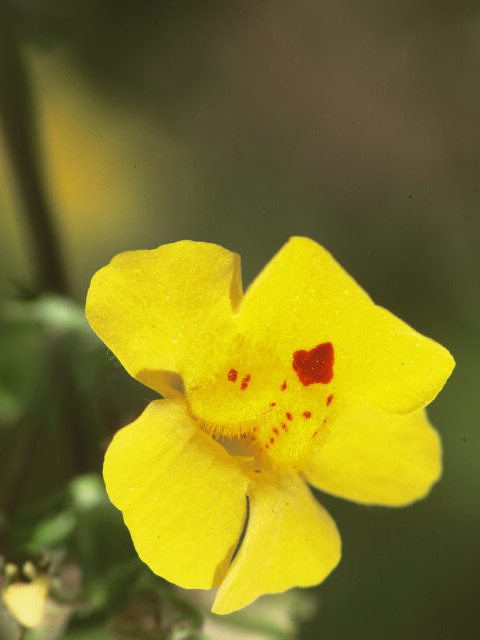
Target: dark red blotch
314, 366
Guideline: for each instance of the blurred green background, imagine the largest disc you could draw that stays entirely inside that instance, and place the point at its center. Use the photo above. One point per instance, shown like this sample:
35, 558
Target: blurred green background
133, 124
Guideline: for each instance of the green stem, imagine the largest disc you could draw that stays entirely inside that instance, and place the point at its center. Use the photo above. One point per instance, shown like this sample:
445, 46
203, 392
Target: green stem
18, 119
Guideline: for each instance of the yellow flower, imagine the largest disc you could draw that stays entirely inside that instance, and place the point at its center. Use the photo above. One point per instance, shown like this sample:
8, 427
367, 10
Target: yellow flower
302, 379
26, 601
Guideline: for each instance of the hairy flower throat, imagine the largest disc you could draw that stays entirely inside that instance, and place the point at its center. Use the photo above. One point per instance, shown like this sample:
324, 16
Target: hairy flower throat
291, 408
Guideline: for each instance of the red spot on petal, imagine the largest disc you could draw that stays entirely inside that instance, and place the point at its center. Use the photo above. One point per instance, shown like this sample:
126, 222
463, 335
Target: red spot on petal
307, 414
315, 434
289, 416
276, 431
266, 446
245, 382
272, 404
272, 440
284, 426
314, 366
232, 375
255, 428
284, 385
329, 399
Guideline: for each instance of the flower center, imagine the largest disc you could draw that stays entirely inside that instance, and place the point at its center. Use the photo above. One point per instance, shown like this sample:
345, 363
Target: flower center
273, 417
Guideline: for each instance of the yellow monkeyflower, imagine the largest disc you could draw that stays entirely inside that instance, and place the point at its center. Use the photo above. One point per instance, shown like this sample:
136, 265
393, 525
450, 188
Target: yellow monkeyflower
26, 601
301, 379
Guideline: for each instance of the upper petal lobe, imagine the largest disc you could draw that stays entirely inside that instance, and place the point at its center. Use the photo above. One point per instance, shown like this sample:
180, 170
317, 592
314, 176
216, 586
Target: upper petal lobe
304, 298
168, 309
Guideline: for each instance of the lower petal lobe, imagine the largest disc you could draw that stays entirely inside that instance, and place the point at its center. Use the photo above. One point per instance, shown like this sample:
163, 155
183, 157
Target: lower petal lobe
376, 457
182, 495
290, 541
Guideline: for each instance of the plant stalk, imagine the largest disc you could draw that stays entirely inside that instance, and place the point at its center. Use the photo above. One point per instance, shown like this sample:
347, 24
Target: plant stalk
18, 120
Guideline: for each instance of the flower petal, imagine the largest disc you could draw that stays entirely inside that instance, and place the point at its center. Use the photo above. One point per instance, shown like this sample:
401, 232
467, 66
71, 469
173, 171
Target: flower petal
166, 310
304, 298
290, 541
401, 370
182, 495
376, 457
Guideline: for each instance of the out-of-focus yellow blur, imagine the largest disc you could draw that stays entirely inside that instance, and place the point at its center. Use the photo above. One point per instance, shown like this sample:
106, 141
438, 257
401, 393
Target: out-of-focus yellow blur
108, 171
